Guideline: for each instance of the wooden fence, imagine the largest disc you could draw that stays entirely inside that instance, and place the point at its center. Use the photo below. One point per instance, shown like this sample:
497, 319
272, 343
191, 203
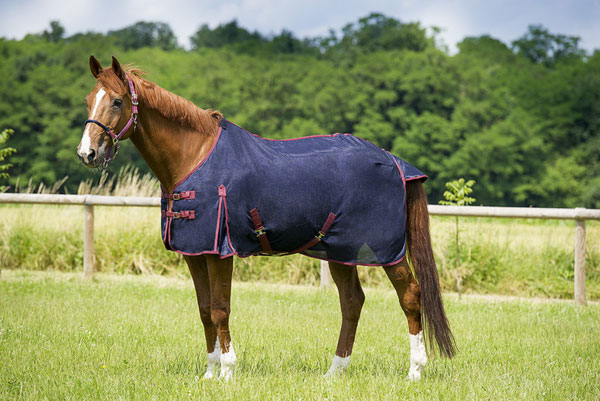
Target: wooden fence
579, 215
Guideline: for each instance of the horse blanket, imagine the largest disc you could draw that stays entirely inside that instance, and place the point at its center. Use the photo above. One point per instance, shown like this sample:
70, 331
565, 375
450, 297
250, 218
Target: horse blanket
334, 197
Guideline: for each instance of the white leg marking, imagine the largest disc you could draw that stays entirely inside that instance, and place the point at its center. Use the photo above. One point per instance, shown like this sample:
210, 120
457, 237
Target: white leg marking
418, 356
214, 360
86, 140
338, 365
228, 361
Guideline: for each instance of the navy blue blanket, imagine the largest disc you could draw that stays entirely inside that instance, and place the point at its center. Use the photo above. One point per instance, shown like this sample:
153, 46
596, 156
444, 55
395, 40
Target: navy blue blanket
334, 197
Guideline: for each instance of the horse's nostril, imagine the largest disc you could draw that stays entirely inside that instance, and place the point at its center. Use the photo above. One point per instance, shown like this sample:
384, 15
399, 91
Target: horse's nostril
91, 155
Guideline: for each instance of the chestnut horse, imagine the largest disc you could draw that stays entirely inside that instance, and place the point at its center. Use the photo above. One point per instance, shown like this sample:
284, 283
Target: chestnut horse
173, 136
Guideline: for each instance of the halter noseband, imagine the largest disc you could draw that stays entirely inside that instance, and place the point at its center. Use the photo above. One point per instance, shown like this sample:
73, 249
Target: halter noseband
109, 131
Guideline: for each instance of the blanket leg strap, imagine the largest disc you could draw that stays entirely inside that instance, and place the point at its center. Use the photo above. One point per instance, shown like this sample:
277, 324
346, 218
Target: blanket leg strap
259, 229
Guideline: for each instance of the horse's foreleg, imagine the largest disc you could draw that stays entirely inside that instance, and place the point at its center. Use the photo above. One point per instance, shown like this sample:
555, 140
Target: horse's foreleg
219, 274
351, 301
409, 295
199, 272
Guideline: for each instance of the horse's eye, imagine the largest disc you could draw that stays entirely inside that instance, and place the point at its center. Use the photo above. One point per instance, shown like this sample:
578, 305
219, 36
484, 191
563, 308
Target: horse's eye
117, 102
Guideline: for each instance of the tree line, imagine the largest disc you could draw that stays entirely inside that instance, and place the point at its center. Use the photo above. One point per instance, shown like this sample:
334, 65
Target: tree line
522, 119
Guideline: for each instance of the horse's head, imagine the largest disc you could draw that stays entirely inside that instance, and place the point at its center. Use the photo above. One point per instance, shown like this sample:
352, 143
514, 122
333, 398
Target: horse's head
112, 107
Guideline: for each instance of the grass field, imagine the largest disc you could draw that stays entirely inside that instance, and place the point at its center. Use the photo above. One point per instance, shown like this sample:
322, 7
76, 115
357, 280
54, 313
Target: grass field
125, 337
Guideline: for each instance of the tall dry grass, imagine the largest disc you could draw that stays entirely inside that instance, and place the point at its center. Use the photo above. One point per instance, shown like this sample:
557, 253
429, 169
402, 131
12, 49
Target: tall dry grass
505, 256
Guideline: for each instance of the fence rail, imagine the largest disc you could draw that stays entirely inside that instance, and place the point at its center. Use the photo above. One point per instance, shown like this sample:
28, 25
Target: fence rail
579, 215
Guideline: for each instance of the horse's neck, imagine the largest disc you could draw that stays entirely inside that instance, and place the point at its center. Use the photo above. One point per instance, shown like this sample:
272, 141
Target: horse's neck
170, 150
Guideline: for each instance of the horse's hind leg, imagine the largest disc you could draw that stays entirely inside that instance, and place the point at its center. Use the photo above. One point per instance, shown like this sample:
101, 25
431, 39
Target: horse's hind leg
351, 302
219, 274
409, 294
199, 272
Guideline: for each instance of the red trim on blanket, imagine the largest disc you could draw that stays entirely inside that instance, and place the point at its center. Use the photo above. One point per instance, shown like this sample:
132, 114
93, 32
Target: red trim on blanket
417, 177
227, 221
218, 224
303, 253
202, 161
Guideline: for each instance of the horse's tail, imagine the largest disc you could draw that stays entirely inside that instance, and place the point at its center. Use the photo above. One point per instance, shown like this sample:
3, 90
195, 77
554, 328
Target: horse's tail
434, 320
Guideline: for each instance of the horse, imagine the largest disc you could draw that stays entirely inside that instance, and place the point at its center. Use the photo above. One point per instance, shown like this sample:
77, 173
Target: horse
175, 138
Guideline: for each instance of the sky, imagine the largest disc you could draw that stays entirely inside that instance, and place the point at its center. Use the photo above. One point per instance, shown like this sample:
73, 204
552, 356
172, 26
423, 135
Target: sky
506, 20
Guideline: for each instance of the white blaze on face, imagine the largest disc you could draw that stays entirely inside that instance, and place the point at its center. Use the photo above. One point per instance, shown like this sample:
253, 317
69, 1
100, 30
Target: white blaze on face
86, 140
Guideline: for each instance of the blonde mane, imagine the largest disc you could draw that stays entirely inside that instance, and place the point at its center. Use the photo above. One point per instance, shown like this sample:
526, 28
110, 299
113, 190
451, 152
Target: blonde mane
169, 105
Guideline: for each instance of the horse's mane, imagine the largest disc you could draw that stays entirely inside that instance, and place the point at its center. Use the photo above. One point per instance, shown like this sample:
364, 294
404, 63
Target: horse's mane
169, 105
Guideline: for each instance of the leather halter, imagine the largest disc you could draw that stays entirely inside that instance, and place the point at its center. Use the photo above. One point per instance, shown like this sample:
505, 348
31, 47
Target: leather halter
132, 121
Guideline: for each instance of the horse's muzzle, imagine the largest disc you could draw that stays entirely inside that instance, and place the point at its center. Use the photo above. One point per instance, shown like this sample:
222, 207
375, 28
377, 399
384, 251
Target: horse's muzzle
90, 158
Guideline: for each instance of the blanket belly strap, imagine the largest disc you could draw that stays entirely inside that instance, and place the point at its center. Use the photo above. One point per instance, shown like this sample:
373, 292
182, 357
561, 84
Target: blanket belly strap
259, 229
317, 238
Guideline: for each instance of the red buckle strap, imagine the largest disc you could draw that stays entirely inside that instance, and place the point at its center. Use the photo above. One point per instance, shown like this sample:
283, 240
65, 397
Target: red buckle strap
184, 214
180, 195
317, 238
259, 229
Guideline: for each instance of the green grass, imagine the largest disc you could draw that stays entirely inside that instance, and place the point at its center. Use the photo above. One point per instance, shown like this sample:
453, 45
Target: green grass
511, 256
140, 338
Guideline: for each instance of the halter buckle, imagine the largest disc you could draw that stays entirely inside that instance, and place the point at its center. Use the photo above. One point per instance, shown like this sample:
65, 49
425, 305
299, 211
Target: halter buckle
176, 215
134, 99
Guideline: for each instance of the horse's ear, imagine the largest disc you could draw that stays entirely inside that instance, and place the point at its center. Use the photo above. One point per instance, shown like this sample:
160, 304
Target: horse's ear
117, 69
95, 66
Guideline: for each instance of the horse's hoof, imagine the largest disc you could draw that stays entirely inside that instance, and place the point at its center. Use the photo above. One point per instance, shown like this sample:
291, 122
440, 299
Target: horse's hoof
414, 375
226, 374
209, 375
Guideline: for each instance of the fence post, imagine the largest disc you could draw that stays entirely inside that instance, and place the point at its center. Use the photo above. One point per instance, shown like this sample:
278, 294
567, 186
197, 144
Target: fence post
88, 241
325, 274
580, 261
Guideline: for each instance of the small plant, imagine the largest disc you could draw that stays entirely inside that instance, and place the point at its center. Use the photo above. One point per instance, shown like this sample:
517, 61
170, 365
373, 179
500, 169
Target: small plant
4, 153
456, 194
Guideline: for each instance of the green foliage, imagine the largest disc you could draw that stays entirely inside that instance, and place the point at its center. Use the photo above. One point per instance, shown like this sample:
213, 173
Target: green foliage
541, 46
56, 32
5, 151
224, 35
526, 129
457, 192
145, 34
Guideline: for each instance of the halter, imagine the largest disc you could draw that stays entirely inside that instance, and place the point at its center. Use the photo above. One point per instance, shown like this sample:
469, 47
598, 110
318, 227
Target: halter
109, 131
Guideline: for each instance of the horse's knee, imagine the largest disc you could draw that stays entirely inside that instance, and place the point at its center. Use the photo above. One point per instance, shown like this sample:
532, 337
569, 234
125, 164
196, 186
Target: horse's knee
411, 300
205, 314
219, 315
353, 305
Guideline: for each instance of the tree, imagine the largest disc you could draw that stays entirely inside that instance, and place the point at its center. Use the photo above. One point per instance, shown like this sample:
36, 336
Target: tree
379, 32
543, 47
224, 35
4, 153
146, 34
56, 32
456, 194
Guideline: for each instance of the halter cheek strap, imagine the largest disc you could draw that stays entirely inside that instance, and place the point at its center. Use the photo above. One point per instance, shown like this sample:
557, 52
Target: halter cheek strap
132, 121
